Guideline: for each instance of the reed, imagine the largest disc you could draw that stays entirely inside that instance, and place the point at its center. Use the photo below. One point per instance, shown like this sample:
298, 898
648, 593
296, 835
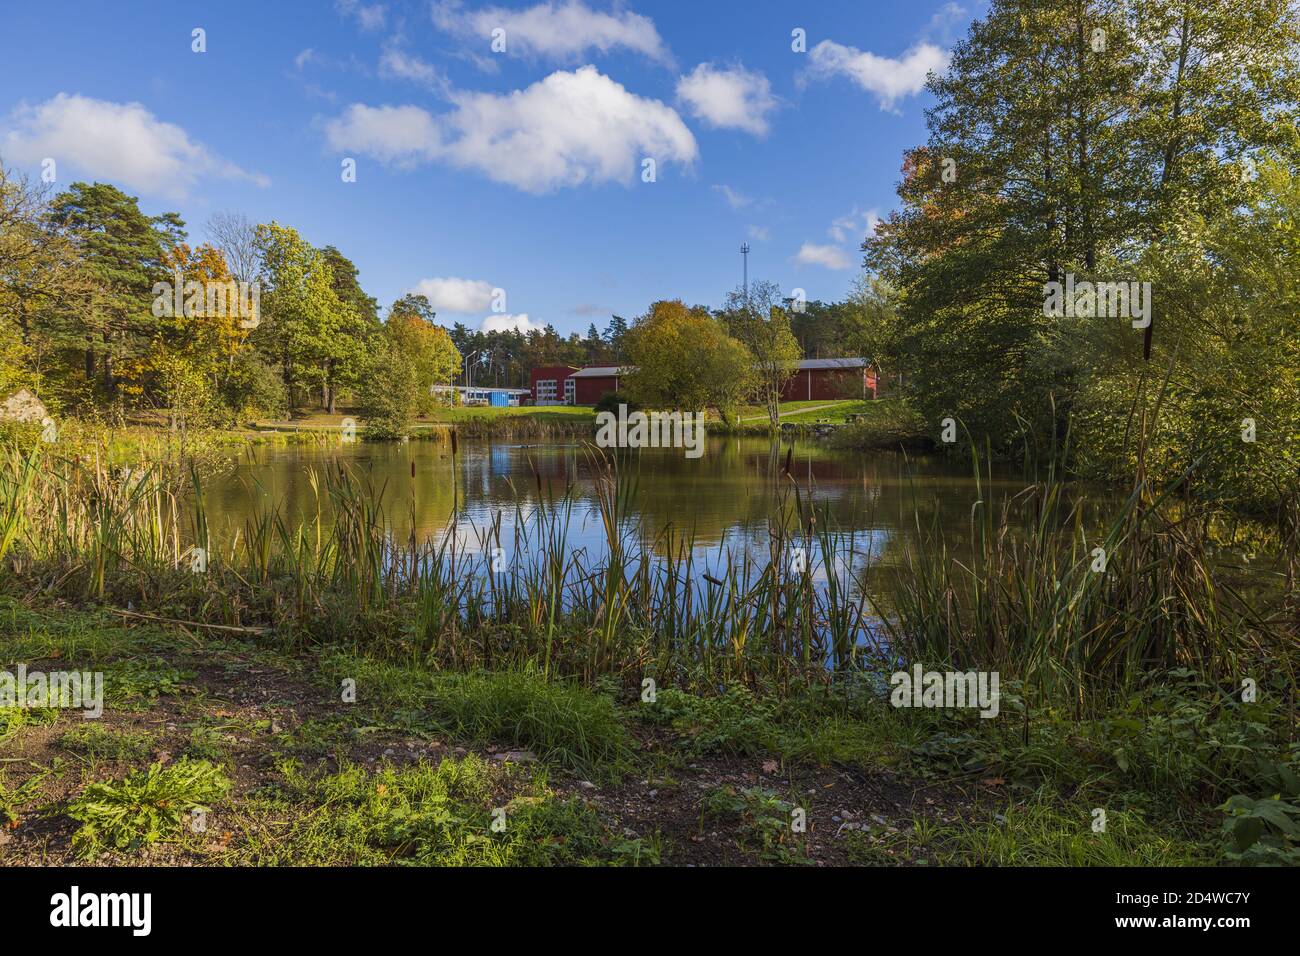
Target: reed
1029, 604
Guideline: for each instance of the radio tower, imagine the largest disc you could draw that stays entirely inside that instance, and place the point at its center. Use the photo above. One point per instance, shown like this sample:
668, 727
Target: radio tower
744, 253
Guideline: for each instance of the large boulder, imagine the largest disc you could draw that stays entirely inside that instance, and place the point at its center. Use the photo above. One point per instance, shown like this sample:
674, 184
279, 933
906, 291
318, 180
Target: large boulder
23, 406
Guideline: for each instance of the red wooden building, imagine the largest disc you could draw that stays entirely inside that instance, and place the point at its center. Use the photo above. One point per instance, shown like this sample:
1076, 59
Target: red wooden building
814, 379
830, 379
549, 384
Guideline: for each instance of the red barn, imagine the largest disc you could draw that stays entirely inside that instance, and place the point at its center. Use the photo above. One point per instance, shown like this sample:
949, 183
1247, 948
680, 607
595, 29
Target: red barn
551, 384
830, 379
592, 382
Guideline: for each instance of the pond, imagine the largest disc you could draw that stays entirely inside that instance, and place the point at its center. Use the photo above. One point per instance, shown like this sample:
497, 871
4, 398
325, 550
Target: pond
721, 503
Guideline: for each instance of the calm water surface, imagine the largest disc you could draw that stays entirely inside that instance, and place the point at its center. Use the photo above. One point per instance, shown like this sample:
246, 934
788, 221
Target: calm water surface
721, 502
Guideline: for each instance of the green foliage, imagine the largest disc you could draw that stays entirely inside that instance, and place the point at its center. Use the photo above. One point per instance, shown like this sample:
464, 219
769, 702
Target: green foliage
423, 814
390, 392
766, 821
686, 361
1043, 830
1047, 157
145, 807
1263, 832
95, 741
734, 722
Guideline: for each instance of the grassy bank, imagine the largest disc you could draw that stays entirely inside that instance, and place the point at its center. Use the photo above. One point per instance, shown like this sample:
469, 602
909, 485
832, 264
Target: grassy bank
282, 768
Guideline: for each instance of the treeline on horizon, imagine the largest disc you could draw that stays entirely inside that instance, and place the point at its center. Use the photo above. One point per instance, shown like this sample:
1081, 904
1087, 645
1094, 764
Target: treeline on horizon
83, 323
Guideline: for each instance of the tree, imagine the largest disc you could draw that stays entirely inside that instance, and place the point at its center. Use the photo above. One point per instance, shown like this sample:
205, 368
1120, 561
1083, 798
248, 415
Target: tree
614, 334
428, 348
684, 360
123, 250
45, 290
1069, 137
390, 390
236, 236
194, 346
301, 310
758, 320
357, 320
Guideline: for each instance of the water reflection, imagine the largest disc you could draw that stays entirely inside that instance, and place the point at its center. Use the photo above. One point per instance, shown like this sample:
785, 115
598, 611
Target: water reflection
722, 502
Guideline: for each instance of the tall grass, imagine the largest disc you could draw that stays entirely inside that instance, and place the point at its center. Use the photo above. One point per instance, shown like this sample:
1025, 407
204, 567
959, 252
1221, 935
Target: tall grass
1028, 603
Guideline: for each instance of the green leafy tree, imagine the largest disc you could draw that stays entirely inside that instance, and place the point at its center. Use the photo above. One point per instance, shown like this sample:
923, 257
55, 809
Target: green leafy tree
685, 360
758, 319
428, 347
301, 311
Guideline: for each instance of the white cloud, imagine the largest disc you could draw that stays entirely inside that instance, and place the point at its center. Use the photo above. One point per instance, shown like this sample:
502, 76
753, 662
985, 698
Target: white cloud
368, 16
832, 257
397, 64
890, 79
854, 227
120, 142
759, 233
451, 294
733, 98
563, 32
568, 129
400, 135
305, 57
508, 323
734, 199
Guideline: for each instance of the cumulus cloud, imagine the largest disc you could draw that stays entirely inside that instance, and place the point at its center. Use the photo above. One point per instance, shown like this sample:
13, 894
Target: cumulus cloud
452, 294
888, 78
399, 135
563, 32
568, 129
732, 98
511, 323
832, 257
120, 142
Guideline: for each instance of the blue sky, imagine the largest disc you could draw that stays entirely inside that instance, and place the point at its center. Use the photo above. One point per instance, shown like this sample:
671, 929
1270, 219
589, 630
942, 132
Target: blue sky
520, 169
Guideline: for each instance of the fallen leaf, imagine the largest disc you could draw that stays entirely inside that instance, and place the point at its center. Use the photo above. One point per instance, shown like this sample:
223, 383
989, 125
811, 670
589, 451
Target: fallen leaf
770, 766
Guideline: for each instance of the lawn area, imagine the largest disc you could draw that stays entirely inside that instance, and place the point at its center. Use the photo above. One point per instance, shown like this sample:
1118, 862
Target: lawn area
477, 415
546, 413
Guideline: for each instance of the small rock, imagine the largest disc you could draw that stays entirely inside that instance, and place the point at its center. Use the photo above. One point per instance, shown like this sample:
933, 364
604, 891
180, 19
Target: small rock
586, 785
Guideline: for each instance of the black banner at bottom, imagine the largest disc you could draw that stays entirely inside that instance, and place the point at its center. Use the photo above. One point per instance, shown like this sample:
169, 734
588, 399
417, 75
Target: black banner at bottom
333, 906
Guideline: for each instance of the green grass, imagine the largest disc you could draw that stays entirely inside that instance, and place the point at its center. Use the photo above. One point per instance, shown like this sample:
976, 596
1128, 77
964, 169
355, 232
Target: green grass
545, 413
1043, 830
93, 740
562, 723
452, 813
